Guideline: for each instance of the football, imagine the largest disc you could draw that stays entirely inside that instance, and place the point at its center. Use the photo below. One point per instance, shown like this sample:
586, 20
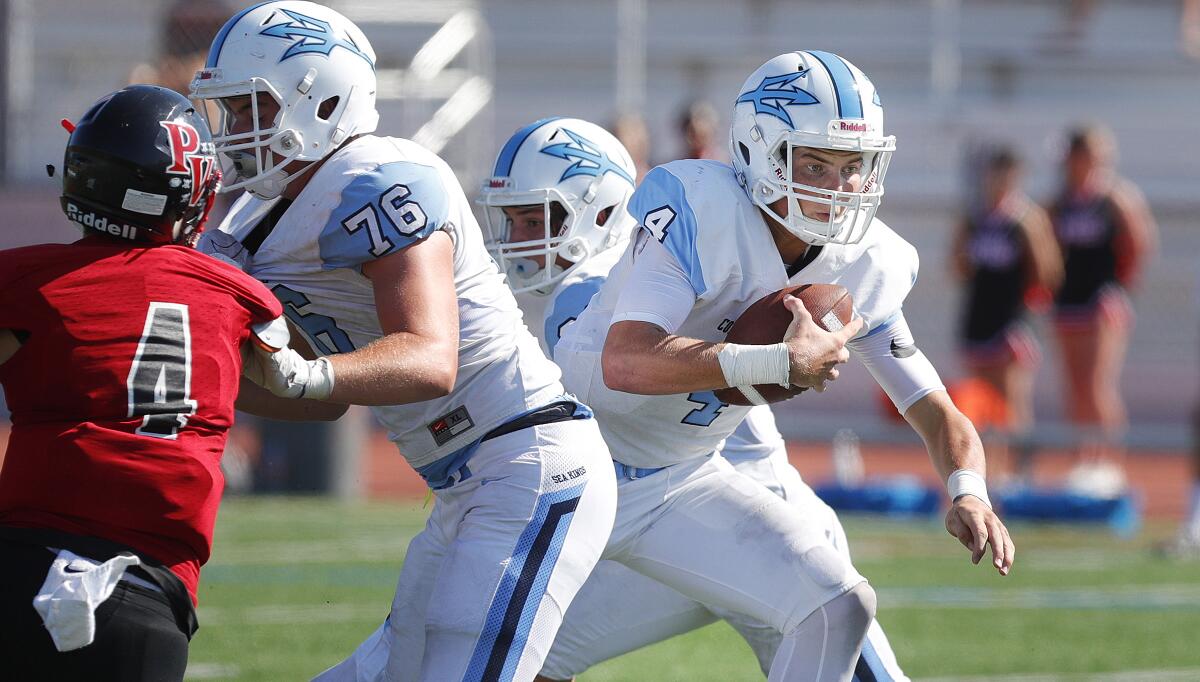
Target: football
767, 319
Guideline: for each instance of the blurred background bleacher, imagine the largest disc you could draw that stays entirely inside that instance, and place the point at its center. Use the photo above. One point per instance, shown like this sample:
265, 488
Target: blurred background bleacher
461, 75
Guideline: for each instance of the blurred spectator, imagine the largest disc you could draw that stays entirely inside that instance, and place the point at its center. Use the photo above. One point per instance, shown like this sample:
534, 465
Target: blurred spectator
188, 29
1069, 34
1189, 28
1106, 234
630, 129
1078, 14
697, 125
1004, 249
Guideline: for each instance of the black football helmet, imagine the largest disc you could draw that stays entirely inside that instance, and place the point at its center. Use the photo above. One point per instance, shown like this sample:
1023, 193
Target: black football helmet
141, 165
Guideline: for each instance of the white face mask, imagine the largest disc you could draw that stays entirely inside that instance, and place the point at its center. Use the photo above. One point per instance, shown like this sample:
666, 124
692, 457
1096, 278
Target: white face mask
849, 214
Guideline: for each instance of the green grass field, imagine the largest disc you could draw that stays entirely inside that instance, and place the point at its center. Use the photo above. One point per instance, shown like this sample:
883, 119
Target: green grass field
296, 583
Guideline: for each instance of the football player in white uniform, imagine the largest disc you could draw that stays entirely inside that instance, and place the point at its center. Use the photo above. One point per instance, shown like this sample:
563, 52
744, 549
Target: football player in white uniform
559, 194
371, 245
798, 205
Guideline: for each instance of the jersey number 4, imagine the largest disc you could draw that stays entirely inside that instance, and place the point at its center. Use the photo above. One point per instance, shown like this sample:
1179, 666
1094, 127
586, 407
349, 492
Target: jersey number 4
160, 379
658, 220
710, 408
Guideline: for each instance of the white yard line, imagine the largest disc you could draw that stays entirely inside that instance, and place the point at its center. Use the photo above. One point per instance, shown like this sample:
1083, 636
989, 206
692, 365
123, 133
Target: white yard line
1122, 676
290, 614
1122, 597
312, 551
210, 671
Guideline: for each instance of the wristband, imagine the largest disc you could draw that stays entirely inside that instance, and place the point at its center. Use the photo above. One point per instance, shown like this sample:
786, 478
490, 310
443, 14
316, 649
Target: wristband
746, 365
967, 482
320, 380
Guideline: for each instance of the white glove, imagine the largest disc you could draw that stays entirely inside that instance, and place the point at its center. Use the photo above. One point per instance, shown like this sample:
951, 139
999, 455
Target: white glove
288, 375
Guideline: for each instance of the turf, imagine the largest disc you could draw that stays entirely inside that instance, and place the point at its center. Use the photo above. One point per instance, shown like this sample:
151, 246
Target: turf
295, 584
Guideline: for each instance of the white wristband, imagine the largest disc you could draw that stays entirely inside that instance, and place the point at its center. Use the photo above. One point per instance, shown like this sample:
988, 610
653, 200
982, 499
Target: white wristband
967, 482
320, 380
746, 365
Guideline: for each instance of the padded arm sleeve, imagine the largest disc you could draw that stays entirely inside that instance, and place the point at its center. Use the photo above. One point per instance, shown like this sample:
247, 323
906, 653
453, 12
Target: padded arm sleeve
893, 358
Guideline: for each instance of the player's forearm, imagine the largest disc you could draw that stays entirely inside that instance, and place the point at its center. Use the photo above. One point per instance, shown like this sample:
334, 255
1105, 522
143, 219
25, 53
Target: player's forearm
643, 359
396, 369
256, 400
949, 436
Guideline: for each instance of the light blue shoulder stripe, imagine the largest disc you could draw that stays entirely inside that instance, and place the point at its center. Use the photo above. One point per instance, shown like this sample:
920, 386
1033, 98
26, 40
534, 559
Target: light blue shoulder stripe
381, 212
660, 204
568, 305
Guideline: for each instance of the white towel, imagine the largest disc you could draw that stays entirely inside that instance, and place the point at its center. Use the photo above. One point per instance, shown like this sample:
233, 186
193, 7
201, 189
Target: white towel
74, 587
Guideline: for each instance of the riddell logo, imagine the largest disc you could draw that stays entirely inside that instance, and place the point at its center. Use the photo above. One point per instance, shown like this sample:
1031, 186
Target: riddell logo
100, 223
852, 127
499, 183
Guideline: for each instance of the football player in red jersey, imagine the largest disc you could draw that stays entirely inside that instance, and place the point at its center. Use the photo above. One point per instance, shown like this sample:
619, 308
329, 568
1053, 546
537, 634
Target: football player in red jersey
120, 357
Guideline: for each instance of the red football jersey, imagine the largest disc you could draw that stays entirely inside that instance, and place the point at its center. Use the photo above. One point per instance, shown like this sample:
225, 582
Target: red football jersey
122, 392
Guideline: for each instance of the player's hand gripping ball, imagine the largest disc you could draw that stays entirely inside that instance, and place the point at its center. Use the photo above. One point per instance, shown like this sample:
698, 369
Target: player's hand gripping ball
767, 320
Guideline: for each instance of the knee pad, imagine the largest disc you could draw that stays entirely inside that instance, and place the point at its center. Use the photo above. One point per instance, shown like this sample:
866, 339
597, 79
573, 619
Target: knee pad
855, 608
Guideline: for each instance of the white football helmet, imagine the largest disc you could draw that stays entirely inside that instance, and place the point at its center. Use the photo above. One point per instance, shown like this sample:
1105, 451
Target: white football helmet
810, 99
303, 55
574, 164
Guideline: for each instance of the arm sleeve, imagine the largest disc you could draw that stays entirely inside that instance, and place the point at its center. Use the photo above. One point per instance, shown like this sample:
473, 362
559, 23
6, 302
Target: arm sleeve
900, 368
657, 290
383, 211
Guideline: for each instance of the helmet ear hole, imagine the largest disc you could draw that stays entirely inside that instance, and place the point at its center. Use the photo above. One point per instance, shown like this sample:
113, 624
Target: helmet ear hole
605, 215
558, 216
745, 152
325, 111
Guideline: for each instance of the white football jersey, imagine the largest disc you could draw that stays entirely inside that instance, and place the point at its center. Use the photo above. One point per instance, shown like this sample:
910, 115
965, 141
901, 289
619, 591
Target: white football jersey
704, 219
547, 316
374, 197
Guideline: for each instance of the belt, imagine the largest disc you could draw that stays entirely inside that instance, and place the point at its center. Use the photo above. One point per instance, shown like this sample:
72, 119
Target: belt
561, 411
452, 468
633, 473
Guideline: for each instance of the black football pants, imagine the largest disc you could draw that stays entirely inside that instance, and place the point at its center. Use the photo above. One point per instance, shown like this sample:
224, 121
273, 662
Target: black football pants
137, 637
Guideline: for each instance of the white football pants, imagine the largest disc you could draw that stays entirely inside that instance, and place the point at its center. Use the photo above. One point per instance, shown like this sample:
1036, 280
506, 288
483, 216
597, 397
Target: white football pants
627, 610
485, 585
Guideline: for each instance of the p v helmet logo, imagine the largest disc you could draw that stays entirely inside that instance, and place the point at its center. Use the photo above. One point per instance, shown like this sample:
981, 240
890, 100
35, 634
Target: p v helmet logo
189, 158
589, 159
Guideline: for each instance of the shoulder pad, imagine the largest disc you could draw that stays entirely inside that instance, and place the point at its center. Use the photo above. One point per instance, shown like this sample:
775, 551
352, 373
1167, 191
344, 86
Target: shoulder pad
381, 211
661, 207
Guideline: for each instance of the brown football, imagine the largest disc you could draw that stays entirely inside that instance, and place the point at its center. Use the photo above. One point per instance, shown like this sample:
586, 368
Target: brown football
767, 320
